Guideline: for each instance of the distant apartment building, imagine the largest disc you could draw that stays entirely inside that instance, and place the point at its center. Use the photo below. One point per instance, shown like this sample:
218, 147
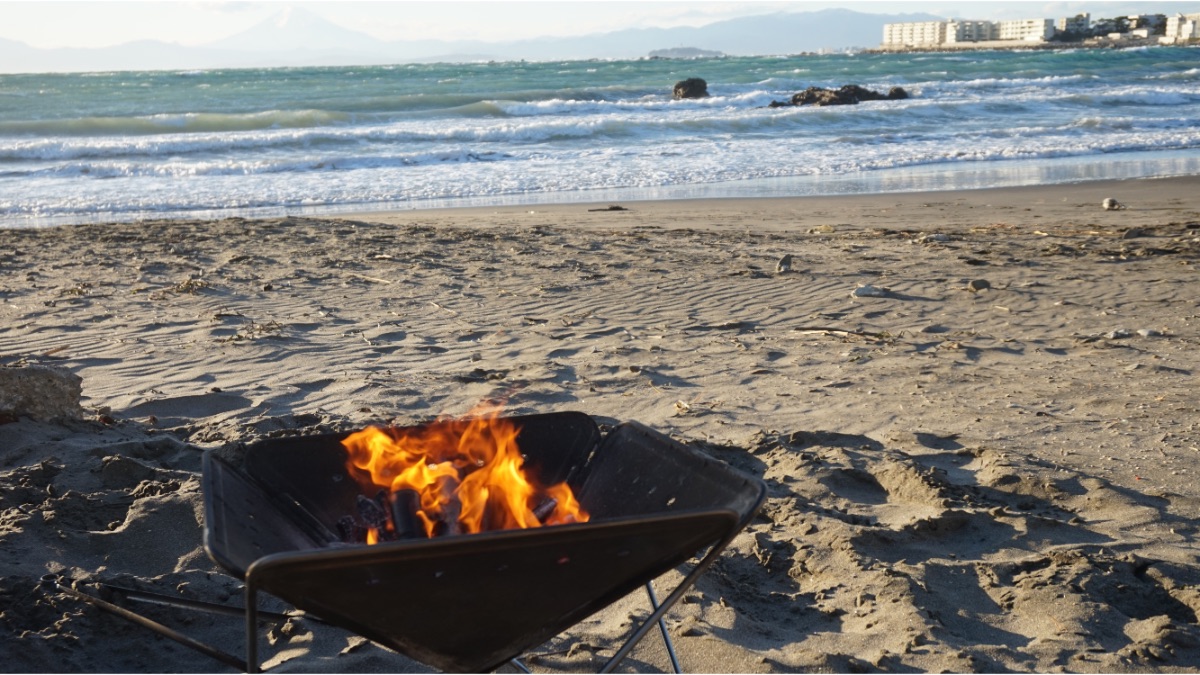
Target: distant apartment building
1148, 21
1027, 30
1182, 27
1078, 24
971, 31
916, 34
958, 31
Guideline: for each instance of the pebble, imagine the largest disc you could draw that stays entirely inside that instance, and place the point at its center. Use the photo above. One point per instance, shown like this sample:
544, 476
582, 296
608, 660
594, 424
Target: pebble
784, 264
1149, 332
976, 285
1119, 334
869, 291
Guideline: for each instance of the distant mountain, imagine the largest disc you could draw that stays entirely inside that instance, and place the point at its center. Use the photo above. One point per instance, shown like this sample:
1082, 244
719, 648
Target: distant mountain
298, 37
297, 29
767, 34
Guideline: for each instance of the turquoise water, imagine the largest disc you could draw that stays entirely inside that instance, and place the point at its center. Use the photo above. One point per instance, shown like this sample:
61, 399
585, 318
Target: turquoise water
121, 146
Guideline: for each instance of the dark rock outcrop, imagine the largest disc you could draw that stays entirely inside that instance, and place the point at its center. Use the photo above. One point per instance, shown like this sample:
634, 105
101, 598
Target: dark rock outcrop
692, 87
849, 94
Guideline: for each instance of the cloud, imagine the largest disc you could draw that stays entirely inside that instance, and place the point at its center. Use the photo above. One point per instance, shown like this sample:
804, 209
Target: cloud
234, 7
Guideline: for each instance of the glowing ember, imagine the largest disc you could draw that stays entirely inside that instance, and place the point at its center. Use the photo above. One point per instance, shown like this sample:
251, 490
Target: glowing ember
467, 475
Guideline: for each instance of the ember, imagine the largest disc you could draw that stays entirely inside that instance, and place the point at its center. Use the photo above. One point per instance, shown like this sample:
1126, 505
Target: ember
450, 477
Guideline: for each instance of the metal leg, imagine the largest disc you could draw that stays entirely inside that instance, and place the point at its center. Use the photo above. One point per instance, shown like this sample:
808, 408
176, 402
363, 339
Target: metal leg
665, 607
662, 627
200, 606
519, 665
57, 583
251, 627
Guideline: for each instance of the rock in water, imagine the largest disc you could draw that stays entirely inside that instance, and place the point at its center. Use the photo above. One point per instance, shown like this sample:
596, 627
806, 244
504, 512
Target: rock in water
1111, 204
692, 87
849, 94
45, 393
784, 264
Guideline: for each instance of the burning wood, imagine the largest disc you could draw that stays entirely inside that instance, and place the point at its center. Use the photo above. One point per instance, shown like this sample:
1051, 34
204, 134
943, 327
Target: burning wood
387, 517
449, 477
448, 524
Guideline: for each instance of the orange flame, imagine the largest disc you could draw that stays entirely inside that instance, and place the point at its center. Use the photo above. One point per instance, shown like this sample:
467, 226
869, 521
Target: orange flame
472, 466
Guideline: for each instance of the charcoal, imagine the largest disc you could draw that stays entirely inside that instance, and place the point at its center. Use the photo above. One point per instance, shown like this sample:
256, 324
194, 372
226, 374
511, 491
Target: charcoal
350, 532
404, 507
545, 510
376, 514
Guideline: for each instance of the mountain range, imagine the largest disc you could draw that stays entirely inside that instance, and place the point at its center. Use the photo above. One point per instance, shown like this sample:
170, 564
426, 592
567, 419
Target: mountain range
297, 37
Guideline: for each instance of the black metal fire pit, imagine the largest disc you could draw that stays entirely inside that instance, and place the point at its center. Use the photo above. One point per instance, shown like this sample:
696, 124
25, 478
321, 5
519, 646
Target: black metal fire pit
472, 602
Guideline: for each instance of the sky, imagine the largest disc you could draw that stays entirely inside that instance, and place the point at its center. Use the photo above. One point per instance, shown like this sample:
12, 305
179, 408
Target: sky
102, 23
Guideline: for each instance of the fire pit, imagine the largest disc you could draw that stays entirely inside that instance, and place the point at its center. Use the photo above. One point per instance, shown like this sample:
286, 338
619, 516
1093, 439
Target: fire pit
286, 524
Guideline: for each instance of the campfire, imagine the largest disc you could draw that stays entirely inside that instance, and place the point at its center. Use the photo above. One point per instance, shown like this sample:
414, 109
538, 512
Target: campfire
541, 517
455, 477
558, 521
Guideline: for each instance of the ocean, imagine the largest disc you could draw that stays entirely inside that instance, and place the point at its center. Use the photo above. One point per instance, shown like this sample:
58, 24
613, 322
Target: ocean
122, 146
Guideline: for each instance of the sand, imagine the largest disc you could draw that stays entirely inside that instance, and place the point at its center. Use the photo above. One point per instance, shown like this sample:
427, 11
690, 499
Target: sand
975, 412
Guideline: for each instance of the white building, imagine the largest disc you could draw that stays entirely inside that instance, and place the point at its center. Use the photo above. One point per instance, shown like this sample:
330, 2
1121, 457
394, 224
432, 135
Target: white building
1078, 24
1029, 30
1182, 27
917, 34
1150, 21
959, 31
971, 31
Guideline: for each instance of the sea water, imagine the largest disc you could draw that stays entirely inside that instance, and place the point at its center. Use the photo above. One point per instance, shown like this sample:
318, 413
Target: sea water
103, 146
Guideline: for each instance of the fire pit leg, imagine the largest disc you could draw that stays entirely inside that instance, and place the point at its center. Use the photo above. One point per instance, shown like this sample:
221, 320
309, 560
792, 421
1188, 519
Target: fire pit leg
662, 627
251, 627
60, 584
667, 604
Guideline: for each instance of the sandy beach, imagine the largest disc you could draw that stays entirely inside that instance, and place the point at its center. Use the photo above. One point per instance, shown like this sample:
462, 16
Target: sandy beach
975, 412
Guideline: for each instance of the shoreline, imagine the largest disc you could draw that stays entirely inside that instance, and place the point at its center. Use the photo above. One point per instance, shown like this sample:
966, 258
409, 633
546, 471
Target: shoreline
1082, 195
915, 180
974, 411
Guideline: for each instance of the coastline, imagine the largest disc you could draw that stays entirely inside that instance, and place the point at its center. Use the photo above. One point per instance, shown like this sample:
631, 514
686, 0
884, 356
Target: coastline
961, 476
915, 180
899, 209
1020, 45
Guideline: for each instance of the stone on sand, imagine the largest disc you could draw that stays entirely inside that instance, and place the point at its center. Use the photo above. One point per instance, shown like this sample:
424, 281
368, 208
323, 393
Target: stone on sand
869, 291
784, 265
44, 393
